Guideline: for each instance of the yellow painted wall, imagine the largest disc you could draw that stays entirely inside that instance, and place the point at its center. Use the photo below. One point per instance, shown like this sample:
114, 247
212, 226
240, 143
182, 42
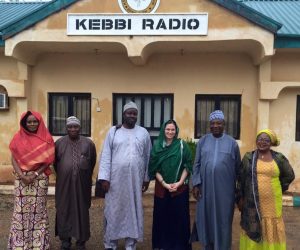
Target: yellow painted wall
184, 75
228, 31
8, 67
204, 69
8, 118
285, 66
283, 121
219, 17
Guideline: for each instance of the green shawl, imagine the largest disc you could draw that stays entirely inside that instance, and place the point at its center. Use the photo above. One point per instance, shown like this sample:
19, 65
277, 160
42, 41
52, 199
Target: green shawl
171, 160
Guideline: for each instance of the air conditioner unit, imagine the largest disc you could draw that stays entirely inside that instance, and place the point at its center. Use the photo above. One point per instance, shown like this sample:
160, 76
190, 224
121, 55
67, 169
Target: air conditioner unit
3, 101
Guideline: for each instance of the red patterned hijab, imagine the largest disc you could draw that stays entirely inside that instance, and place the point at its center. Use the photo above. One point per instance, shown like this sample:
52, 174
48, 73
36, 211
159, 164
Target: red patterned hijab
31, 150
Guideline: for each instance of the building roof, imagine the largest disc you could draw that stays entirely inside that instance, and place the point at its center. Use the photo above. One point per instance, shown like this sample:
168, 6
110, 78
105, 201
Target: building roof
17, 16
283, 11
250, 14
10, 12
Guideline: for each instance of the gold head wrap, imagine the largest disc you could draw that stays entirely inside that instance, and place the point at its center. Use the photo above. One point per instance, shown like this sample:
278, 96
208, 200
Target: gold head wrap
275, 141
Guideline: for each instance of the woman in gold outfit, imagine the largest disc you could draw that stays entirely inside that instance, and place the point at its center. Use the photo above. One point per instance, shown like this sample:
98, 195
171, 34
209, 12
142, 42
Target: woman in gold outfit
265, 175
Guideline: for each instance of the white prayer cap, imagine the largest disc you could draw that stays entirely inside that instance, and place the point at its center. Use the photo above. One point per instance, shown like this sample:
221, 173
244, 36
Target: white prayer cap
73, 120
130, 105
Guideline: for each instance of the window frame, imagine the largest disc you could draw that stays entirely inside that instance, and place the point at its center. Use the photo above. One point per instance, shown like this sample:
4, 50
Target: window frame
125, 96
297, 134
217, 99
70, 95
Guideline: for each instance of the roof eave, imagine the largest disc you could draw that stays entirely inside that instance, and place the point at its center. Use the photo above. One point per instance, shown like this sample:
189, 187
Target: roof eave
250, 14
287, 41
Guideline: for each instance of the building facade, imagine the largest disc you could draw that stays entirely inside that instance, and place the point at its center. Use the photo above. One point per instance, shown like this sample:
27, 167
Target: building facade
239, 62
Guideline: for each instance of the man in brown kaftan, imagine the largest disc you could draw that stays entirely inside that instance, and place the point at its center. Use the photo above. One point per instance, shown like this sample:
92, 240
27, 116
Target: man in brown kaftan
74, 164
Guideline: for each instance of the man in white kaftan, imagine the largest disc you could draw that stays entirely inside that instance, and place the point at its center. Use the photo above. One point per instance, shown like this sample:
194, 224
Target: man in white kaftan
123, 173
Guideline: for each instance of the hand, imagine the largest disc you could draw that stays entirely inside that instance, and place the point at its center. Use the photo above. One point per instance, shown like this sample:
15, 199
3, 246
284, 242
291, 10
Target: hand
105, 185
240, 204
169, 187
176, 185
197, 192
27, 179
145, 186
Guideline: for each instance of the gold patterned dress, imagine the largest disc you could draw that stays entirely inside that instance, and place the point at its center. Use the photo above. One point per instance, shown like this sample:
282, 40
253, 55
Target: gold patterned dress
270, 202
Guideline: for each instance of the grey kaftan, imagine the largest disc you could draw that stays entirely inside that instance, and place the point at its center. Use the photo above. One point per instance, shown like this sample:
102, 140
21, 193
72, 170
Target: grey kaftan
215, 171
74, 164
124, 163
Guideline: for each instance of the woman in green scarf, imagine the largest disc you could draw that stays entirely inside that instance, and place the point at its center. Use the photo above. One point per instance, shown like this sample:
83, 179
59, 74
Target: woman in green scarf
170, 164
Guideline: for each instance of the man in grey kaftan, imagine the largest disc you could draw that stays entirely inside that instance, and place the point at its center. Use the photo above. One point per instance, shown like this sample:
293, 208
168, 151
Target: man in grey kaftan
124, 171
216, 167
74, 165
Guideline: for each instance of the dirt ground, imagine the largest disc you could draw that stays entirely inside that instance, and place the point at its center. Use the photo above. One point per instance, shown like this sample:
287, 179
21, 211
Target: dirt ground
291, 217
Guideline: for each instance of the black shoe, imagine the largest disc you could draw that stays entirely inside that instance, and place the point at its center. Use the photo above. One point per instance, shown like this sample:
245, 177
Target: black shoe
65, 248
80, 248
66, 244
80, 245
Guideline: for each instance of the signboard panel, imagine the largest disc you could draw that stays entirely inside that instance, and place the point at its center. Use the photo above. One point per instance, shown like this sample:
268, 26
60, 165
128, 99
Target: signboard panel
137, 24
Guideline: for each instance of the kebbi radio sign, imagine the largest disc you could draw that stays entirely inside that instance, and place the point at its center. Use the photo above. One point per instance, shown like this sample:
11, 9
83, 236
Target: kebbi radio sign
137, 24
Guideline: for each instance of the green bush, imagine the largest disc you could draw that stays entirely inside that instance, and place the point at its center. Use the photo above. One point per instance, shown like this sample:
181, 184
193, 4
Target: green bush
192, 144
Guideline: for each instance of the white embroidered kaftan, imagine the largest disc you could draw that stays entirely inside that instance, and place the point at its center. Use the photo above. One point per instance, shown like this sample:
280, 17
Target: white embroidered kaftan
124, 163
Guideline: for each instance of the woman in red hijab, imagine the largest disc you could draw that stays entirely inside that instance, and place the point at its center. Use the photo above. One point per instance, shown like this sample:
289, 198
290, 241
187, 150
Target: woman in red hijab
32, 150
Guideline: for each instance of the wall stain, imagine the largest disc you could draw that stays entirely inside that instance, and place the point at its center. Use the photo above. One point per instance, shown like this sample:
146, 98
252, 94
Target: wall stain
101, 123
59, 20
9, 126
248, 130
219, 17
185, 123
41, 104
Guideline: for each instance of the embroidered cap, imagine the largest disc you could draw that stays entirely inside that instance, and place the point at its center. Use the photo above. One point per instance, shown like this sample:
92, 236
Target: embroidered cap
130, 105
216, 115
73, 120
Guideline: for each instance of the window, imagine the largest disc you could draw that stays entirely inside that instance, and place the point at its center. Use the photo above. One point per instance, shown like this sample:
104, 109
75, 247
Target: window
153, 110
229, 104
298, 119
3, 98
63, 105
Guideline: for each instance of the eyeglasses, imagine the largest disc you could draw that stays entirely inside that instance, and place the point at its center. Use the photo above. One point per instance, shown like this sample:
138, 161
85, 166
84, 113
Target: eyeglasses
266, 140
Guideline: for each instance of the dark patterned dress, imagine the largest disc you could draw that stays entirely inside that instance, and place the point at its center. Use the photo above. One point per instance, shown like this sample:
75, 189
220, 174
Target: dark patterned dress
30, 226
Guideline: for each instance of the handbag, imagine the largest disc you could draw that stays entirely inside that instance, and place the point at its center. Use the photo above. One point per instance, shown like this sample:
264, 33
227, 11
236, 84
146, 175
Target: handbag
99, 192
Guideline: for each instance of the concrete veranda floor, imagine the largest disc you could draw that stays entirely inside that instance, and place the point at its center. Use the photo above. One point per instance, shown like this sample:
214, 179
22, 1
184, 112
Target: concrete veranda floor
291, 218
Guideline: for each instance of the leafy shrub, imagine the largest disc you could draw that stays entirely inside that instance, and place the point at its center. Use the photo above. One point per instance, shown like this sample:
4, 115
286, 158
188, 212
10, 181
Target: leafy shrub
192, 144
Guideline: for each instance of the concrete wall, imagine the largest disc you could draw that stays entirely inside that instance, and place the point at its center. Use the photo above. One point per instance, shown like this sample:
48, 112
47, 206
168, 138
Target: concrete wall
223, 62
285, 65
283, 121
10, 73
183, 75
